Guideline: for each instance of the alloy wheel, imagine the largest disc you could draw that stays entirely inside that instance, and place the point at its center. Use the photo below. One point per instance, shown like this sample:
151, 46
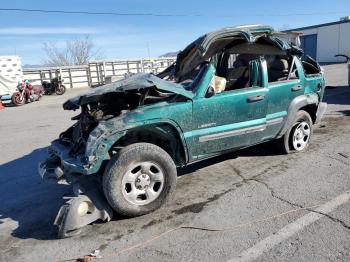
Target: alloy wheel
143, 183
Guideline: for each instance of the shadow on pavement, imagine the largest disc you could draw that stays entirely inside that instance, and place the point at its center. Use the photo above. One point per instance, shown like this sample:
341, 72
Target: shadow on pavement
344, 112
27, 200
338, 95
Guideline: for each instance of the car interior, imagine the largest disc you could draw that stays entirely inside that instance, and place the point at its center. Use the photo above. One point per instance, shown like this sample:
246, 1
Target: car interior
238, 70
237, 64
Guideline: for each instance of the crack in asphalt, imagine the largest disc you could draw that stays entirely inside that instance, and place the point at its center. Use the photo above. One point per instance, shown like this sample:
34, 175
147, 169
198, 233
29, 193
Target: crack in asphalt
274, 195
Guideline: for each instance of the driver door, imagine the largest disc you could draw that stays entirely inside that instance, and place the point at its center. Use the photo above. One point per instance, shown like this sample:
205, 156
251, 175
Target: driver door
230, 119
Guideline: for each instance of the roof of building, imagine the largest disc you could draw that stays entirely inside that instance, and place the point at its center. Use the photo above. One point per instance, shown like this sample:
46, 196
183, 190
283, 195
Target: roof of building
317, 26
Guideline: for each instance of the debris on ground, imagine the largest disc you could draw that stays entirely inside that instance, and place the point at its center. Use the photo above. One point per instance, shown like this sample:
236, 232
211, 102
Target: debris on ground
96, 254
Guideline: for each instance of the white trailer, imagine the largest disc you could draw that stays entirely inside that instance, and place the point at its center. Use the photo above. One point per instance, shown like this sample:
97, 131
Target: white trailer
10, 74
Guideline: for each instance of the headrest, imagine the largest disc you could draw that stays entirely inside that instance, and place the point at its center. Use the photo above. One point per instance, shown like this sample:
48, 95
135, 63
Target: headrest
241, 60
279, 65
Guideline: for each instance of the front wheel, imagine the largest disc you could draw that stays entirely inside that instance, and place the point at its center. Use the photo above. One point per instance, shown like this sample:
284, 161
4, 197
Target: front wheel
139, 180
61, 89
298, 136
18, 99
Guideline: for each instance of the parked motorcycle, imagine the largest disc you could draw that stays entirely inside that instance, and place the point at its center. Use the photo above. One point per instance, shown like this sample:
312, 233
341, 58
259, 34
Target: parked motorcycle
26, 92
54, 86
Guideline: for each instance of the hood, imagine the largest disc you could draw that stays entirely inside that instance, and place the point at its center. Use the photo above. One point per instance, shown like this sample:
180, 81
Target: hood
207, 45
135, 82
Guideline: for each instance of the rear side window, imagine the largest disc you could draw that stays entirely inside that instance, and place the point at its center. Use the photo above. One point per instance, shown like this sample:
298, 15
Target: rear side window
281, 68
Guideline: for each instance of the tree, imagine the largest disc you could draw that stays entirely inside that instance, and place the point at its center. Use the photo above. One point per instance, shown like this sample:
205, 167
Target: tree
76, 52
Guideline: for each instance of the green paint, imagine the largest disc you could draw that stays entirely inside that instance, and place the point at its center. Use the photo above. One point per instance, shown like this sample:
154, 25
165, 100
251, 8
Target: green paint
205, 126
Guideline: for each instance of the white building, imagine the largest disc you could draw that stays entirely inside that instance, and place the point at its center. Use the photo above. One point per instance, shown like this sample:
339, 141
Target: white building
324, 41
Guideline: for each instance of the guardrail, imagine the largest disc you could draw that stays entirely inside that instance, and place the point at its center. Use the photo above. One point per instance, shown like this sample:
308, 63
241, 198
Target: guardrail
95, 73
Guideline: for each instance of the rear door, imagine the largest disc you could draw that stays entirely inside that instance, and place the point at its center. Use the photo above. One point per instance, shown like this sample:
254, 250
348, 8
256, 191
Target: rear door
280, 95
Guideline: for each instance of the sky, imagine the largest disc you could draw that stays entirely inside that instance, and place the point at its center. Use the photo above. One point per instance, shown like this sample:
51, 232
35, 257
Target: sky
122, 37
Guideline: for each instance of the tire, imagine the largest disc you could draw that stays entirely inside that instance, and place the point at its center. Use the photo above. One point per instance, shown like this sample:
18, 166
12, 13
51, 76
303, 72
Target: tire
16, 99
291, 142
139, 179
60, 90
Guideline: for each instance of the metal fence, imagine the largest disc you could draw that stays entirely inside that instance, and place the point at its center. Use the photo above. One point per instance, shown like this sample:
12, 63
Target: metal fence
97, 72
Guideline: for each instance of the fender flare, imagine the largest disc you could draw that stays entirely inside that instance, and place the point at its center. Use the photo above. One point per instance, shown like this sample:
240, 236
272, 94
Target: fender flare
157, 122
106, 144
296, 104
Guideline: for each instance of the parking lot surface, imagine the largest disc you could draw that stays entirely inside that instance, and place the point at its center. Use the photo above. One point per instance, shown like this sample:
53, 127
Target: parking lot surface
268, 206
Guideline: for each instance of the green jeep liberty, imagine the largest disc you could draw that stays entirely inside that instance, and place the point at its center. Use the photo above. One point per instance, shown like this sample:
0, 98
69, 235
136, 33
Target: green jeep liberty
228, 90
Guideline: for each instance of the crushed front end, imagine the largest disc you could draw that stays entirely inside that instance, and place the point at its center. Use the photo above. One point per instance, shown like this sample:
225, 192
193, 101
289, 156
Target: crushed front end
67, 154
78, 155
67, 162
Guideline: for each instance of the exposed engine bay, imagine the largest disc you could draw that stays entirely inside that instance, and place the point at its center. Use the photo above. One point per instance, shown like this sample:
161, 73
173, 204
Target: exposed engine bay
107, 106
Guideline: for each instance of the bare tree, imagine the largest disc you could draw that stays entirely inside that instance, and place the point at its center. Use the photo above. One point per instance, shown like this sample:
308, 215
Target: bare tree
76, 52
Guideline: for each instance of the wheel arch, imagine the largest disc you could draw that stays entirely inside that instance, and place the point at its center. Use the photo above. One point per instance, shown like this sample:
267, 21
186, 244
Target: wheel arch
166, 135
308, 103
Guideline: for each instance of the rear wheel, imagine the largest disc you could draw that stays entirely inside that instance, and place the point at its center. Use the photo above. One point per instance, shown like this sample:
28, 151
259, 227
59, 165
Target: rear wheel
297, 137
139, 180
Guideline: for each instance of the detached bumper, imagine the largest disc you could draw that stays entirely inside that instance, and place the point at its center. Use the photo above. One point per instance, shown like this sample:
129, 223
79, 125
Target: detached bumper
322, 107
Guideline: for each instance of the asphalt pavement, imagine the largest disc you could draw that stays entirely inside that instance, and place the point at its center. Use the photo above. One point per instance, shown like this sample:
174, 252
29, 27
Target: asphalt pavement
262, 206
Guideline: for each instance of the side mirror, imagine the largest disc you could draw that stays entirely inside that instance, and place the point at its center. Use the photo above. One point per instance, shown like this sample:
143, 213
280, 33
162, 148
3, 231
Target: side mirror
210, 92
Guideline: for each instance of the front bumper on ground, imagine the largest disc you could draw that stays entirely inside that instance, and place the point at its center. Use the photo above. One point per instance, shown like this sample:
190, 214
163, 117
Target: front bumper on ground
88, 203
322, 107
86, 206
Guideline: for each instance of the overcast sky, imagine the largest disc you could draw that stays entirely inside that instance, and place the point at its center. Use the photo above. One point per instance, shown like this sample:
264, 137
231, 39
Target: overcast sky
128, 36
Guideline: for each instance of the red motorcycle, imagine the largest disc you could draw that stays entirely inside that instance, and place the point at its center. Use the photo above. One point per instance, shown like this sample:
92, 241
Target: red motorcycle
27, 93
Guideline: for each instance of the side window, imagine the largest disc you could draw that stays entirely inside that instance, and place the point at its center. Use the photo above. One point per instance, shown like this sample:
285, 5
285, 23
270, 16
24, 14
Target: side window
238, 71
281, 69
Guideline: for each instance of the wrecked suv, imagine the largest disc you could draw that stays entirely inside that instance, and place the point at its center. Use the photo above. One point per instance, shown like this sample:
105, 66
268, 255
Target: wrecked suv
229, 89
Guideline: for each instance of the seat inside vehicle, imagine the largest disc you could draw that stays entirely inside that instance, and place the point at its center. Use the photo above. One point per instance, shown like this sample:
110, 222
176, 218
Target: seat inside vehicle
278, 70
238, 75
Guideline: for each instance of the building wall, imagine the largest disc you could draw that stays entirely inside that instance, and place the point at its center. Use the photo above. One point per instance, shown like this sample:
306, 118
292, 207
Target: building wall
331, 40
327, 43
344, 39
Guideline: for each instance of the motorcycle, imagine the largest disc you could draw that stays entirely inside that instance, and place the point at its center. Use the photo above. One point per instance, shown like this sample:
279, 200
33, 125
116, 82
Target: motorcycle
54, 86
26, 92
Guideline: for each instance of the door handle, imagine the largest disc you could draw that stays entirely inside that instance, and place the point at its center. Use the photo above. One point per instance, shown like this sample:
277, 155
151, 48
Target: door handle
297, 88
253, 99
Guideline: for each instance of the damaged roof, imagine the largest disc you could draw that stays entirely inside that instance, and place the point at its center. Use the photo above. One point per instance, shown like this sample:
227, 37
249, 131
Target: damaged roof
193, 55
202, 48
